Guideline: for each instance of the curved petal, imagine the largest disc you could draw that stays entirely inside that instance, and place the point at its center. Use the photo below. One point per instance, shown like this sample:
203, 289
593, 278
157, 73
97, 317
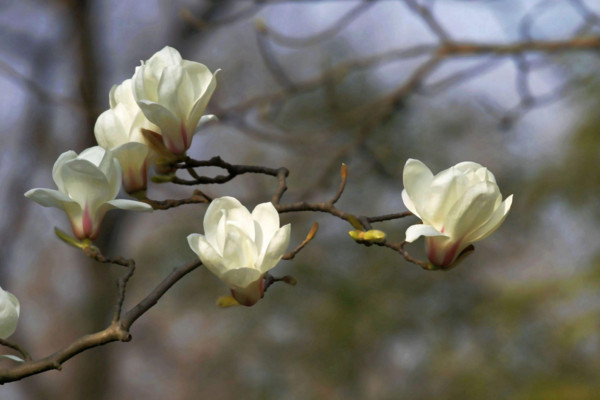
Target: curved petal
276, 249
109, 129
196, 112
130, 205
408, 203
493, 223
445, 189
212, 218
417, 178
168, 86
239, 250
49, 198
207, 254
241, 218
164, 57
9, 314
267, 218
134, 160
85, 183
60, 161
472, 210
169, 124
415, 231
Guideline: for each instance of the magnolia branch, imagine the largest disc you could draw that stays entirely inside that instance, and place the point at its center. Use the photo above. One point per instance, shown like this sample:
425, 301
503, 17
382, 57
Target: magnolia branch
118, 330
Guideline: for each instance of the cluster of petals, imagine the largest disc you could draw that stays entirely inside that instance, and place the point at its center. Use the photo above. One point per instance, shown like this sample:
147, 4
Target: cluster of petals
239, 247
459, 206
173, 94
120, 130
9, 313
87, 184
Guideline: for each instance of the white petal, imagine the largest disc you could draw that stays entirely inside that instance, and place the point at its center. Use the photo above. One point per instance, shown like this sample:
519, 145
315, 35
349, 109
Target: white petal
196, 112
241, 277
267, 218
276, 249
207, 254
417, 178
85, 183
134, 159
48, 197
164, 57
445, 189
131, 205
169, 124
415, 231
168, 86
213, 216
472, 210
96, 155
60, 161
239, 250
494, 222
9, 313
409, 203
109, 129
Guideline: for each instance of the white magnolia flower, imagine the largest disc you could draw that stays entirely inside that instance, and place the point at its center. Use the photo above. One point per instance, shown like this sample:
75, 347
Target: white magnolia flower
173, 94
87, 186
9, 313
119, 129
239, 247
458, 206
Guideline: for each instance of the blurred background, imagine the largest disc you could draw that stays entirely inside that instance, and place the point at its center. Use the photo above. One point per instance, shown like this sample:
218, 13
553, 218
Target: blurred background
308, 85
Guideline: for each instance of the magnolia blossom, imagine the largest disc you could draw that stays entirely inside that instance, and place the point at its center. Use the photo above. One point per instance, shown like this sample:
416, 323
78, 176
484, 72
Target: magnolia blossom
87, 186
240, 247
458, 206
9, 313
120, 130
173, 94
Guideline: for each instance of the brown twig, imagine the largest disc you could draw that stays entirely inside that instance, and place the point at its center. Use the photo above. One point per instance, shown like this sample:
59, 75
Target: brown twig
16, 347
310, 236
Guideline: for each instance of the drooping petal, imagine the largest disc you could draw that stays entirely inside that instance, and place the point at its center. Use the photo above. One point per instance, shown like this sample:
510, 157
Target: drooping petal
48, 197
493, 223
415, 231
276, 249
